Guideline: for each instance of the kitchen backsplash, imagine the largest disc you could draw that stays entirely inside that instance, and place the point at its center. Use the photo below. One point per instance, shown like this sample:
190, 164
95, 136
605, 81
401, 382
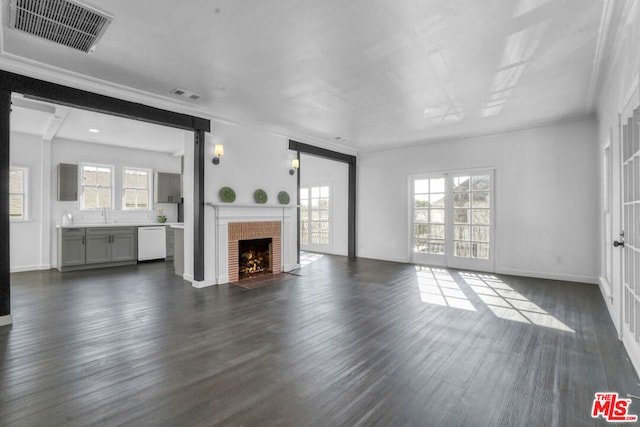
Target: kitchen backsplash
170, 210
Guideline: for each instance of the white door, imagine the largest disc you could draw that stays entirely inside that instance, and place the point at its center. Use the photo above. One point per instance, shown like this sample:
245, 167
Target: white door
629, 239
452, 219
429, 223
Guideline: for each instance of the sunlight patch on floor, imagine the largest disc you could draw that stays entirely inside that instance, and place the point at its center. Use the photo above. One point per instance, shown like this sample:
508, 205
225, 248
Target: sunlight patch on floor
307, 258
507, 303
439, 288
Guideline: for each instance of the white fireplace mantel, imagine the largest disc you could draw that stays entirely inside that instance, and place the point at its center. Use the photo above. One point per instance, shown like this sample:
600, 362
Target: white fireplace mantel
232, 212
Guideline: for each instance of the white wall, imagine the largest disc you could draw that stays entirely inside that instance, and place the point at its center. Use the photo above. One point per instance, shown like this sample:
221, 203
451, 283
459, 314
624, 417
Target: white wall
253, 159
546, 210
317, 171
25, 253
75, 152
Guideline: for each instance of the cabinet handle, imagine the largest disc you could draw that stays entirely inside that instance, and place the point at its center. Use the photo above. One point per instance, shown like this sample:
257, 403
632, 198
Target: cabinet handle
83, 240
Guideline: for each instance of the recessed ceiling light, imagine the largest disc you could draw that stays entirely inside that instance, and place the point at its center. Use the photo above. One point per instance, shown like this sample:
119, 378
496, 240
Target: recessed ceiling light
93, 130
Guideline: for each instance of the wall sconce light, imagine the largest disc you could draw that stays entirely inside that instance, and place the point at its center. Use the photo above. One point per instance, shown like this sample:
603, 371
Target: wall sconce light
295, 164
218, 150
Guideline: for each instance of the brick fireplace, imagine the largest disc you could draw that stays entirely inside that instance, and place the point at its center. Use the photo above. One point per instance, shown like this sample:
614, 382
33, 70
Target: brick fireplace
239, 231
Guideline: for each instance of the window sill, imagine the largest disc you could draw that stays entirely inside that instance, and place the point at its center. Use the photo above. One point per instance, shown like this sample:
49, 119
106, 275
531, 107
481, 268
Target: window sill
20, 220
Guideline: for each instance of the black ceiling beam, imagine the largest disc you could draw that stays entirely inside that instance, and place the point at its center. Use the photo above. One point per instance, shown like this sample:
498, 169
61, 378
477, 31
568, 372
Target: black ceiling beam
78, 98
321, 152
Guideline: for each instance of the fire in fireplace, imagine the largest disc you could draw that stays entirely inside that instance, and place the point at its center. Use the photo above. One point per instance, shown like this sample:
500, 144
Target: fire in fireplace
254, 257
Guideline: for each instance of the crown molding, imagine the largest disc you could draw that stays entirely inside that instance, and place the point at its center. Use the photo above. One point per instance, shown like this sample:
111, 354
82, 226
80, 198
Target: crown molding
468, 136
598, 63
622, 15
19, 65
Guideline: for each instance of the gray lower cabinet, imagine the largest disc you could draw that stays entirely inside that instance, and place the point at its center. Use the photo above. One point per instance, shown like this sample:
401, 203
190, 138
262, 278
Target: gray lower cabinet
80, 248
71, 247
123, 244
112, 244
178, 258
170, 243
98, 246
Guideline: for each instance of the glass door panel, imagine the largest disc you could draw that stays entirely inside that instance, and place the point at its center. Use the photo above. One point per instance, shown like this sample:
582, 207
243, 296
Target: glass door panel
472, 220
429, 219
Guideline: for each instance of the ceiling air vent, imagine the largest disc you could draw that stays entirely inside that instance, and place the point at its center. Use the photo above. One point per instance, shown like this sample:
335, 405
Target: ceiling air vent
185, 93
64, 22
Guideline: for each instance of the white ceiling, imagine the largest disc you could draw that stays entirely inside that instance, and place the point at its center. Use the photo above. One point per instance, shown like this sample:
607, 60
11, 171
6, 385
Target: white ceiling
40, 118
378, 73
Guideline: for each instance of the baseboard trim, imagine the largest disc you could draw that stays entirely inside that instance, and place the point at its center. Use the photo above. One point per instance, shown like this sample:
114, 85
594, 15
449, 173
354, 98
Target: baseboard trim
605, 288
196, 283
290, 267
605, 291
6, 320
203, 284
398, 260
549, 276
23, 268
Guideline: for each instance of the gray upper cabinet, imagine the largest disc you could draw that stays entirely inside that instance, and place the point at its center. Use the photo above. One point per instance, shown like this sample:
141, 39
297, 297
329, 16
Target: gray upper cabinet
67, 182
167, 188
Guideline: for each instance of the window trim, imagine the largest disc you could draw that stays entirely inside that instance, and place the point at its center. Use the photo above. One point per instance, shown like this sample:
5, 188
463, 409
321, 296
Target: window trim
25, 193
150, 189
81, 185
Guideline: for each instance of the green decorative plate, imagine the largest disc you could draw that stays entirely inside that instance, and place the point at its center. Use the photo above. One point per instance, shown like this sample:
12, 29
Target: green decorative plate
260, 196
227, 194
283, 198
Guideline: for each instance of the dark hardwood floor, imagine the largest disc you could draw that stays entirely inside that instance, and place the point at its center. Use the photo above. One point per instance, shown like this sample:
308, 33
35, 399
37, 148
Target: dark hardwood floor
346, 342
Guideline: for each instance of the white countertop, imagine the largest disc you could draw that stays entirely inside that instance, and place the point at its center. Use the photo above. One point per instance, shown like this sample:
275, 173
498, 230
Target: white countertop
122, 224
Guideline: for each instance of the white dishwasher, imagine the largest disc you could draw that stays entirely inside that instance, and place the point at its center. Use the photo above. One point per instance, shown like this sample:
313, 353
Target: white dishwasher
152, 243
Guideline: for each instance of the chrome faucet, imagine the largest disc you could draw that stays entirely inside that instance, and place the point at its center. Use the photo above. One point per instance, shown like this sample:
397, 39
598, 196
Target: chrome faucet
104, 215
